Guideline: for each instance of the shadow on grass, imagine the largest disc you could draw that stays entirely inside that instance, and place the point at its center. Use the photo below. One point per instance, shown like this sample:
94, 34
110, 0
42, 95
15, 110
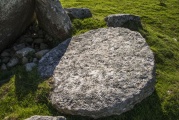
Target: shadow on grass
5, 77
26, 82
148, 109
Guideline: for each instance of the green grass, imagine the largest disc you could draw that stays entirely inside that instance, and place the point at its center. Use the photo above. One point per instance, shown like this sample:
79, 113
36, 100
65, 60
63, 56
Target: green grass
25, 94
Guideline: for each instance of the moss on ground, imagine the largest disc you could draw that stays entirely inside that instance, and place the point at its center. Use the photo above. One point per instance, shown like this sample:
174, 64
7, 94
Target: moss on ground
24, 94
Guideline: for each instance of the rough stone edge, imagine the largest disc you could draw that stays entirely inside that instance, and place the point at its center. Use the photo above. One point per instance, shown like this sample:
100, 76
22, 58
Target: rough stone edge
150, 86
47, 62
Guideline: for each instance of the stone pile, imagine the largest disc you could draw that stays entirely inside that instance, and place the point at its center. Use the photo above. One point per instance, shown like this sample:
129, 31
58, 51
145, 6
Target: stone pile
17, 15
27, 50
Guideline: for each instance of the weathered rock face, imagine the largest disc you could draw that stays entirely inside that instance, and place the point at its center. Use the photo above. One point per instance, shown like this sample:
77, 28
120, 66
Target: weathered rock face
131, 22
37, 117
103, 72
49, 61
53, 19
78, 13
15, 16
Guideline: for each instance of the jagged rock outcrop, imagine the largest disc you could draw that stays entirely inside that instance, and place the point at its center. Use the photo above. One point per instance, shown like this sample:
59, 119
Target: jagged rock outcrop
38, 117
131, 22
78, 13
15, 17
53, 19
103, 72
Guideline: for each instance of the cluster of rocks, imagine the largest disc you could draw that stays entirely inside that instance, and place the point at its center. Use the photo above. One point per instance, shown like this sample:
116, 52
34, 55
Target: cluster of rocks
99, 73
27, 50
17, 15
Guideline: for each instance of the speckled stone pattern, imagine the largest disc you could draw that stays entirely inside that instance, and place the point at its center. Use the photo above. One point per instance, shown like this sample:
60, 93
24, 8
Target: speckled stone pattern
15, 17
38, 117
53, 19
103, 72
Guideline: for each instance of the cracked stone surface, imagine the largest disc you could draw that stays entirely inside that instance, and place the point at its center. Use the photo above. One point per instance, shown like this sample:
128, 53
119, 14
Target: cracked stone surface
103, 72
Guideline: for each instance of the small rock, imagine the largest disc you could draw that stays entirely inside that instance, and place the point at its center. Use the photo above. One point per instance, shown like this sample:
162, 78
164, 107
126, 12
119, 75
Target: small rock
43, 46
30, 66
41, 53
5, 54
5, 59
29, 40
48, 38
79, 13
35, 60
24, 60
38, 41
3, 67
12, 62
19, 46
24, 52
131, 22
37, 117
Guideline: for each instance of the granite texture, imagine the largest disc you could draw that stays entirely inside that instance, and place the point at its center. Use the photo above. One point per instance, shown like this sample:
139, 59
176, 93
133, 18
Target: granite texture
103, 72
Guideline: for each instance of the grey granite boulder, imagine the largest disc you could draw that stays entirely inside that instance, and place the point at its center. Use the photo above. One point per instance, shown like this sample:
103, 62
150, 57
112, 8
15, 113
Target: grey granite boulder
53, 19
103, 72
51, 59
78, 13
38, 117
131, 22
15, 16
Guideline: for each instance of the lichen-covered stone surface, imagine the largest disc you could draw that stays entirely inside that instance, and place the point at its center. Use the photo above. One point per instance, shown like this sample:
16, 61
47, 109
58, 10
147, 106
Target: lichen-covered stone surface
15, 17
103, 72
131, 22
38, 117
53, 19
78, 13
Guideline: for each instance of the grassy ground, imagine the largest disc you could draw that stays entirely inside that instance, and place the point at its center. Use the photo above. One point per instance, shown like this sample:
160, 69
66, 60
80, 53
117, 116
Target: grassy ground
24, 94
